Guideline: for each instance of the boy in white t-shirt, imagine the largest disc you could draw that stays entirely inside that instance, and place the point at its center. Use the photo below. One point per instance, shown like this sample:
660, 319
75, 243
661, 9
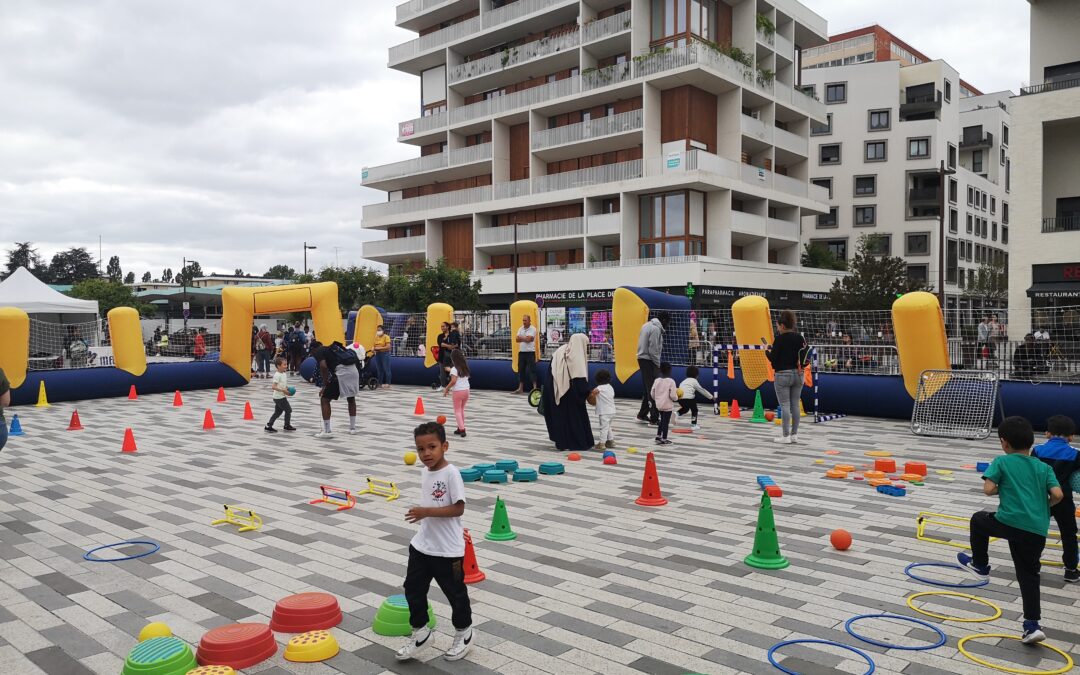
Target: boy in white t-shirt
605, 408
437, 550
691, 388
280, 386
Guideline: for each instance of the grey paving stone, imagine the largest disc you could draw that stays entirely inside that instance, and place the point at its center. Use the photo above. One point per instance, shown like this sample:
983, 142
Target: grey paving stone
74, 642
54, 661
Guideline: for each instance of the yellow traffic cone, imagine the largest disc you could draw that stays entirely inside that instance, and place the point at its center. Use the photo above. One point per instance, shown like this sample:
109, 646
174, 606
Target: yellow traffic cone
802, 410
42, 399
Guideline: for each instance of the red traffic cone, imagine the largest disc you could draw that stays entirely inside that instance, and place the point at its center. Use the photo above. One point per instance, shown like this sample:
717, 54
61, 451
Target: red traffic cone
75, 425
177, 400
221, 394
734, 410
650, 485
419, 410
208, 421
473, 574
132, 396
248, 414
129, 441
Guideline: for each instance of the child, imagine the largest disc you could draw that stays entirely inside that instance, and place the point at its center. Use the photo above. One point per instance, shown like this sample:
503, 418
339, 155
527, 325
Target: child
437, 550
688, 401
605, 408
1022, 484
459, 384
664, 394
280, 387
1064, 460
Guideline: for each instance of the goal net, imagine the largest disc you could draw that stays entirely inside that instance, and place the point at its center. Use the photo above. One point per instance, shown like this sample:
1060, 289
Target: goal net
63, 345
955, 404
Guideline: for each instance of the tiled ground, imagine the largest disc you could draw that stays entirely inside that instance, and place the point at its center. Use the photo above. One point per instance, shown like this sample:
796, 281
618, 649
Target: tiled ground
592, 584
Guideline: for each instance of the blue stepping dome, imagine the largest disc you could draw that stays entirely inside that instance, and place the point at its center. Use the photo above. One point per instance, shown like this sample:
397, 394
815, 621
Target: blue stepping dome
552, 468
494, 476
470, 475
525, 475
507, 465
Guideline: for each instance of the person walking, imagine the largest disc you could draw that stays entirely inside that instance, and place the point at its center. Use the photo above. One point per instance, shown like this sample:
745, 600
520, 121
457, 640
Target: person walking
650, 344
459, 387
382, 356
788, 355
526, 339
565, 394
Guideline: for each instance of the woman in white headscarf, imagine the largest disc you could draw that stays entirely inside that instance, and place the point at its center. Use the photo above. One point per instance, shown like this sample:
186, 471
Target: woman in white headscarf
566, 389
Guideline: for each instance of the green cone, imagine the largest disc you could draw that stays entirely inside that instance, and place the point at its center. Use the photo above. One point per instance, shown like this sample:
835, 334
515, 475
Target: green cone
766, 555
759, 410
500, 524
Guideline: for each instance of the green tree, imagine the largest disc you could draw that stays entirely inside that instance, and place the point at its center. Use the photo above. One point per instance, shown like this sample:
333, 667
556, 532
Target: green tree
413, 291
874, 281
166, 275
357, 286
238, 272
72, 266
991, 283
108, 295
280, 272
819, 256
147, 277
129, 278
184, 276
25, 255
113, 271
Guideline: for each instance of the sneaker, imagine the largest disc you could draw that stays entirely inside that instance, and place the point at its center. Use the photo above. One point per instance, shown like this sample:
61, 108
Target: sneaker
983, 573
695, 427
609, 444
1072, 576
353, 432
289, 427
783, 440
599, 446
324, 434
463, 640
462, 434
269, 429
794, 438
1032, 633
658, 440
643, 420
414, 644
665, 441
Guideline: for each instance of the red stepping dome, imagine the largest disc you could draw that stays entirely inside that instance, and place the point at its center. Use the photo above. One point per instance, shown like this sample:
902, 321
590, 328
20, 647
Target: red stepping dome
305, 612
237, 645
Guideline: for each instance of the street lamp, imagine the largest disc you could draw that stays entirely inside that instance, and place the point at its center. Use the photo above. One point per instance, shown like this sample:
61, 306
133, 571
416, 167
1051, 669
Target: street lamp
942, 187
306, 247
183, 274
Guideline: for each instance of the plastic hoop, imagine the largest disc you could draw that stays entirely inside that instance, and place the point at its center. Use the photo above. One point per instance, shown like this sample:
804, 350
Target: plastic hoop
997, 610
89, 554
889, 645
907, 571
1064, 669
830, 643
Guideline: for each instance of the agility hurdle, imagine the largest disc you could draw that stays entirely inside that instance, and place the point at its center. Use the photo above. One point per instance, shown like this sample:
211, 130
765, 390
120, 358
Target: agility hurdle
381, 488
335, 496
236, 516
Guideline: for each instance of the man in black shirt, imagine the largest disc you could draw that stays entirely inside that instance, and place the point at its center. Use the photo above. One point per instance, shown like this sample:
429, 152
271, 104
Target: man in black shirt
338, 379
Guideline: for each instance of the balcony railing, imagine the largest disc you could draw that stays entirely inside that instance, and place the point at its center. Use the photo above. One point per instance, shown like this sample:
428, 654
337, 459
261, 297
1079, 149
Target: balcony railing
399, 246
748, 223
983, 140
456, 157
1067, 224
439, 38
422, 125
930, 194
573, 133
608, 173
519, 99
470, 154
514, 56
429, 202
784, 47
782, 229
602, 28
549, 229
791, 142
604, 223
1050, 86
413, 8
516, 10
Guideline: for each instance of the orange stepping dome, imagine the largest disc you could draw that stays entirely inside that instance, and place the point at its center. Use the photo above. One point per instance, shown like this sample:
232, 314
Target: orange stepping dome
912, 477
915, 467
682, 431
237, 645
835, 473
574, 457
832, 452
305, 612
846, 468
873, 475
878, 453
886, 465
874, 482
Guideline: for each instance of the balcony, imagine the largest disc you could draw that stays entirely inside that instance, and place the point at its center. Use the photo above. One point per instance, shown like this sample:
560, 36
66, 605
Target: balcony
416, 14
977, 141
425, 43
920, 104
1067, 224
748, 223
782, 229
608, 173
605, 28
377, 175
422, 125
784, 47
428, 202
785, 140
515, 56
592, 130
517, 10
604, 223
1050, 86
531, 232
396, 250
924, 195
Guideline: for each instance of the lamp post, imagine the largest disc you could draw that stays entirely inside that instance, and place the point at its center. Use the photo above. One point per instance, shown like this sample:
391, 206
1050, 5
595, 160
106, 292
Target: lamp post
942, 187
183, 274
306, 247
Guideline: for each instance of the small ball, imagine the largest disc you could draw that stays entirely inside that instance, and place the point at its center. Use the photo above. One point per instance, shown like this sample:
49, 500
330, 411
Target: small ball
154, 630
632, 451
679, 392
410, 458
441, 419
770, 415
292, 391
574, 457
840, 539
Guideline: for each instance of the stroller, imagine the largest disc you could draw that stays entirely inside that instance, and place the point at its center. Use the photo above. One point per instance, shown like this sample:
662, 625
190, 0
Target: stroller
368, 377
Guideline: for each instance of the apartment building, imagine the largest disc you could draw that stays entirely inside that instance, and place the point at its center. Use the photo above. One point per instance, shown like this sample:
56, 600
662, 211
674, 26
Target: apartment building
1044, 270
906, 141
606, 142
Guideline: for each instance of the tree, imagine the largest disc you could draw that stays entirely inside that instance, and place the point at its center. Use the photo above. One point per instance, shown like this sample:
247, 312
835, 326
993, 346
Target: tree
280, 272
238, 272
25, 255
166, 275
414, 291
129, 278
184, 276
108, 295
113, 271
357, 286
72, 266
874, 281
991, 284
819, 256
147, 277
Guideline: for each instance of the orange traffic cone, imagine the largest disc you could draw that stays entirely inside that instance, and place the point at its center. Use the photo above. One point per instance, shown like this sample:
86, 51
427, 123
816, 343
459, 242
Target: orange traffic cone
75, 425
177, 400
730, 365
419, 410
248, 414
734, 410
208, 421
650, 485
132, 396
808, 378
473, 574
129, 441
221, 394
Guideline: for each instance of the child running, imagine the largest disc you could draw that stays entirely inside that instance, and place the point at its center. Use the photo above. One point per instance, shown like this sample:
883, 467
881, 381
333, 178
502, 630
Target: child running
1064, 460
688, 401
605, 408
459, 385
1026, 489
664, 394
280, 386
437, 549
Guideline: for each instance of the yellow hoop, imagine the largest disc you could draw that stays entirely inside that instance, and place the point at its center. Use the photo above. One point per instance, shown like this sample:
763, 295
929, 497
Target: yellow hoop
1064, 669
997, 610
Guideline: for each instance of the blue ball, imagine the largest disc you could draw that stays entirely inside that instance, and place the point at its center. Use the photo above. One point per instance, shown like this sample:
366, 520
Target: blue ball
292, 391
309, 370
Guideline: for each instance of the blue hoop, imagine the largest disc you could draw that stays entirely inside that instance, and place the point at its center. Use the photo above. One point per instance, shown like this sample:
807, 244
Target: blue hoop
943, 584
890, 645
830, 643
88, 554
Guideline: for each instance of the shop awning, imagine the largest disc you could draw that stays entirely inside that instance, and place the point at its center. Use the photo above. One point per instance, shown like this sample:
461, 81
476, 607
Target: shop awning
1058, 290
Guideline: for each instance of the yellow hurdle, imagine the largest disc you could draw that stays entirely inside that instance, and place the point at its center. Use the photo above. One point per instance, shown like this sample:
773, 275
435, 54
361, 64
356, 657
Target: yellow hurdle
959, 523
245, 518
381, 488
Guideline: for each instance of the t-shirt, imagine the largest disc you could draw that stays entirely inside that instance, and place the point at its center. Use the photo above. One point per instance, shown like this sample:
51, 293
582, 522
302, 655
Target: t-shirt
691, 388
1023, 483
527, 332
382, 342
324, 353
442, 537
280, 380
605, 400
5, 387
462, 383
454, 339
788, 351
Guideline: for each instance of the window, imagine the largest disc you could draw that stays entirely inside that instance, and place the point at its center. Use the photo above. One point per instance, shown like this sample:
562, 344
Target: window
664, 219
952, 262
875, 151
948, 91
551, 258
836, 92
609, 253
879, 120
917, 244
952, 156
1005, 213
1002, 157
993, 205
830, 154
865, 216
983, 201
865, 186
1008, 174
977, 161
838, 247
879, 244
969, 227
672, 23
1004, 235
817, 129
825, 183
971, 196
1004, 134
828, 219
954, 220
918, 148
993, 230
952, 190
918, 273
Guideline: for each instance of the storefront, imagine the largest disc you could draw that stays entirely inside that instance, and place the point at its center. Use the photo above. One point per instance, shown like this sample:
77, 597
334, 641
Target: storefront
701, 297
1055, 295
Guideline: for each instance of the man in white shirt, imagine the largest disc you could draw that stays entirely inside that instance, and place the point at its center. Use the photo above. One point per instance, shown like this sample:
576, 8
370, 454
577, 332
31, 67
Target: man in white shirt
526, 339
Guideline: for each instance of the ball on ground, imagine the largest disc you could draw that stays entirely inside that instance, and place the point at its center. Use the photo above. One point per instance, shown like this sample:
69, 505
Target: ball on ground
410, 458
840, 539
770, 415
441, 419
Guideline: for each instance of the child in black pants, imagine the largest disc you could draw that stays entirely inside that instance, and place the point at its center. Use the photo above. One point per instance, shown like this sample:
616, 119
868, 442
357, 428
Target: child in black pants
280, 387
691, 389
1064, 460
663, 394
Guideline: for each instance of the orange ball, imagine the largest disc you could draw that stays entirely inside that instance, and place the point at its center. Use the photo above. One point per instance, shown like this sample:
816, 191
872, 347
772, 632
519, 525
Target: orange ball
441, 419
770, 415
840, 539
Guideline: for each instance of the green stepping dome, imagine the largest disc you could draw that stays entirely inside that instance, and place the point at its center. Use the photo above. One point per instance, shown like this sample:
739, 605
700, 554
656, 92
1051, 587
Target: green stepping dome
524, 475
494, 476
507, 465
552, 468
160, 656
470, 475
484, 467
392, 619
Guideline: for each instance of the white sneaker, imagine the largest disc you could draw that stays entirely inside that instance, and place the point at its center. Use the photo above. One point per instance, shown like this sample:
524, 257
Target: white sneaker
414, 644
463, 640
695, 427
324, 434
353, 432
794, 438
783, 440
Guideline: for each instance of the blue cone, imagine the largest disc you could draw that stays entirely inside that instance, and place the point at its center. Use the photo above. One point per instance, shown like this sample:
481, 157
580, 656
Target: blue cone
16, 427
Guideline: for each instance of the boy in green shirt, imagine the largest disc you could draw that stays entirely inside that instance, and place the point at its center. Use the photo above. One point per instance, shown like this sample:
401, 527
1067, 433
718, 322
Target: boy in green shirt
1022, 483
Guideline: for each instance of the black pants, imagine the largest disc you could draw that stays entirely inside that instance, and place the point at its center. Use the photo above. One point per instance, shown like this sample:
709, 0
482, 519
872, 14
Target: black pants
527, 370
648, 376
1064, 512
281, 405
691, 405
665, 422
449, 574
1025, 547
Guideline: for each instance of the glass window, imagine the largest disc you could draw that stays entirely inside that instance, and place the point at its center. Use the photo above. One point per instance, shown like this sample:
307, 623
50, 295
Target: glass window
1004, 235
1005, 212
838, 247
830, 154
646, 230
825, 183
993, 230
675, 248
817, 129
970, 196
879, 244
879, 119
954, 220
674, 214
865, 215
695, 17
1004, 134
865, 186
828, 219
875, 151
952, 156
647, 251
1002, 157
836, 92
918, 244
993, 205
948, 90
952, 190
983, 201
918, 273
977, 161
918, 148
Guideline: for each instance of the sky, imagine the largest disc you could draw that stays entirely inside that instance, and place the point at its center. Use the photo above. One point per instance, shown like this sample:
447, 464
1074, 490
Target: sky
232, 132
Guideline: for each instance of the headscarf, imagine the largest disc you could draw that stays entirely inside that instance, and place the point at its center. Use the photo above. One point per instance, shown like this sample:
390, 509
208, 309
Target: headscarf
569, 362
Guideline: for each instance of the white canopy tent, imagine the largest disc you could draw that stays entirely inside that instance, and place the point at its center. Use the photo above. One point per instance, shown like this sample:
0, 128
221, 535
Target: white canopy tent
26, 292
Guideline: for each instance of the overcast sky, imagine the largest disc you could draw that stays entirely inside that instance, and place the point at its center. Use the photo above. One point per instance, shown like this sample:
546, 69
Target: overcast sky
232, 131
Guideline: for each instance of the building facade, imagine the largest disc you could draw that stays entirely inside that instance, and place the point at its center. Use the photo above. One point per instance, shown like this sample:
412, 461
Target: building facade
1044, 274
580, 145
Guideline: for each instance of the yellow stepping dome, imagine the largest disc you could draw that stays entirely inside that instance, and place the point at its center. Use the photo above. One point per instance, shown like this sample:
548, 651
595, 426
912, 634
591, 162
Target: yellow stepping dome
316, 645
212, 670
153, 630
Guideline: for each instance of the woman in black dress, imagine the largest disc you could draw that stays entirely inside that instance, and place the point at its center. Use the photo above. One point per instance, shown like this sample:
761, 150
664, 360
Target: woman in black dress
566, 388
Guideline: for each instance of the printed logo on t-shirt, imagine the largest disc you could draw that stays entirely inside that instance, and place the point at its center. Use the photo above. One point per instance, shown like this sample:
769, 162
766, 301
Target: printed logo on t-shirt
438, 490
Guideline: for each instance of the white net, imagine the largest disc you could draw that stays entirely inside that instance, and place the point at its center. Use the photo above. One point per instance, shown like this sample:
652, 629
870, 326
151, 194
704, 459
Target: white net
955, 404
64, 345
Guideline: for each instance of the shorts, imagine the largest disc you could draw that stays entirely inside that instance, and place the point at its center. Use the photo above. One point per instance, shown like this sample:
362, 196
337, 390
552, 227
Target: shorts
348, 380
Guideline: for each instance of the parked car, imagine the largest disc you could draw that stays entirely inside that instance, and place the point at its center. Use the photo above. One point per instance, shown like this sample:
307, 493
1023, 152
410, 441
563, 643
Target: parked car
182, 343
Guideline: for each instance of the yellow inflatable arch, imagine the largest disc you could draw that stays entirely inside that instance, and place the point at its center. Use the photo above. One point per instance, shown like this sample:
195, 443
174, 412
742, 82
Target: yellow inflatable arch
14, 344
921, 343
517, 311
367, 320
437, 313
125, 332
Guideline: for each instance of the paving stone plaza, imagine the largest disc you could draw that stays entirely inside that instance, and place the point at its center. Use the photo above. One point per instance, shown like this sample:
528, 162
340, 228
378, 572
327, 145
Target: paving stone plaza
592, 584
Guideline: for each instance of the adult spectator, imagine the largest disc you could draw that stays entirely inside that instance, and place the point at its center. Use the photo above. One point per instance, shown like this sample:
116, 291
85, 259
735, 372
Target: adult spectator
983, 334
455, 336
446, 346
77, 349
563, 399
650, 344
337, 368
264, 346
199, 350
526, 340
788, 355
5, 401
1025, 357
381, 350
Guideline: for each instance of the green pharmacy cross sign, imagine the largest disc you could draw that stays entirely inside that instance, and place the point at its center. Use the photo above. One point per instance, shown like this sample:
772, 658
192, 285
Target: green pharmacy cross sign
690, 290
